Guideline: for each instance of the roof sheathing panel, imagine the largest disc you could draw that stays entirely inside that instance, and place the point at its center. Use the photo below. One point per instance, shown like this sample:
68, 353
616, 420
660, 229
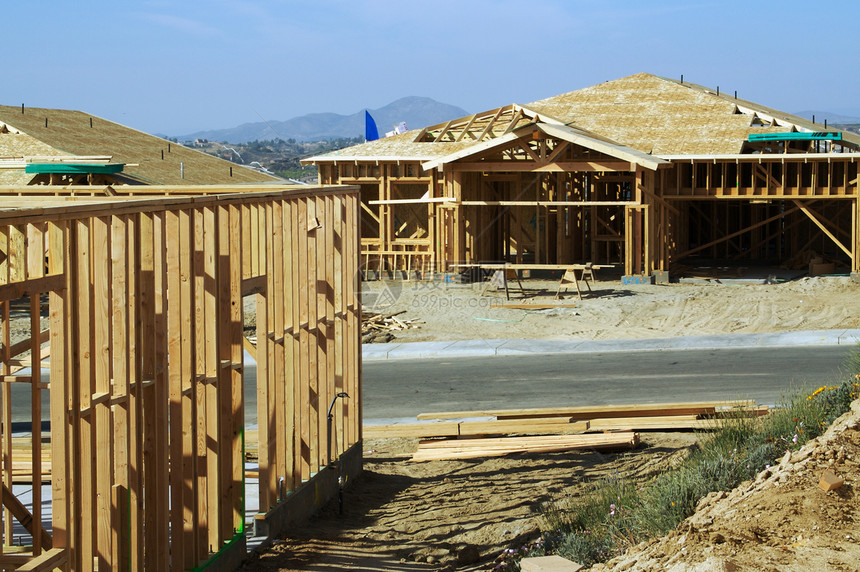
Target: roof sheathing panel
653, 115
78, 133
398, 146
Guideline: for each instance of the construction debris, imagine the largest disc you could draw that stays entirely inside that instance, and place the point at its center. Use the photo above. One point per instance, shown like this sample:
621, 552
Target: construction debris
829, 481
377, 328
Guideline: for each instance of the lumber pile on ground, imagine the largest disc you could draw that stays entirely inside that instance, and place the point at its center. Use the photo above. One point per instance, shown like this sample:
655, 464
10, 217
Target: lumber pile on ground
585, 412
447, 449
458, 429
552, 425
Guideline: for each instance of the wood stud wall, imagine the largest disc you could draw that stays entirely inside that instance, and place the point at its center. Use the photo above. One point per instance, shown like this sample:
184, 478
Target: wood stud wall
514, 206
145, 304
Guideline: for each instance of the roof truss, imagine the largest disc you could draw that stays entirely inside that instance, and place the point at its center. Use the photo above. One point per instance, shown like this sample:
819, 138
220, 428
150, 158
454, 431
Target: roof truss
545, 147
482, 126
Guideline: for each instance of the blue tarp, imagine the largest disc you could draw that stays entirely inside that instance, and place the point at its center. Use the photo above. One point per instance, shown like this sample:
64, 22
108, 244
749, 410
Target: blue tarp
370, 131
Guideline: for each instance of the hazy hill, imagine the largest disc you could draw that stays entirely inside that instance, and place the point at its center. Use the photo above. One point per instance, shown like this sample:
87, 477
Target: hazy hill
417, 112
832, 118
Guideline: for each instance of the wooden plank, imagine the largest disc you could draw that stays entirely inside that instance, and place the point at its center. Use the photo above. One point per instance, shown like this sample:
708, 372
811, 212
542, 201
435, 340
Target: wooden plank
306, 365
102, 384
202, 542
212, 336
263, 355
661, 423
83, 384
47, 561
603, 411
559, 425
58, 250
286, 292
438, 429
135, 405
225, 432
321, 350
177, 420
823, 228
119, 317
335, 436
476, 448
295, 277
15, 290
181, 300
25, 517
237, 403
161, 489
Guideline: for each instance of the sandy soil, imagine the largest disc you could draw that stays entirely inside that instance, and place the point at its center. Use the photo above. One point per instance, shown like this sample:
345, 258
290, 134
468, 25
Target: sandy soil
453, 515
616, 311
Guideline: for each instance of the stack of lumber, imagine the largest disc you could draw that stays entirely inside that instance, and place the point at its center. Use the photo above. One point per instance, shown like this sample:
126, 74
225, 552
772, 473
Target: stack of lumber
560, 420
385, 322
550, 425
447, 449
459, 428
22, 460
636, 417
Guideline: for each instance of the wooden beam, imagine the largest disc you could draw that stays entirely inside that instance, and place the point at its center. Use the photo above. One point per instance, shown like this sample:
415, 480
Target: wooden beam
475, 448
491, 166
15, 290
595, 411
546, 203
20, 512
823, 228
47, 561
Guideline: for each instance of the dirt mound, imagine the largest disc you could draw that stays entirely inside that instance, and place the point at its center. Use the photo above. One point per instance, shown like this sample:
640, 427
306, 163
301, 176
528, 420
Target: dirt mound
780, 521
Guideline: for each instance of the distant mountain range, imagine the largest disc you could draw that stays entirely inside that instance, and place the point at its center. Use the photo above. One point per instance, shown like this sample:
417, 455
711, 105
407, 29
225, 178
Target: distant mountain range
832, 118
417, 112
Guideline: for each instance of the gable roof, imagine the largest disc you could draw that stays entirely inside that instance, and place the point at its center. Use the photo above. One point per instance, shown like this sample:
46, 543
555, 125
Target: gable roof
642, 112
662, 116
149, 159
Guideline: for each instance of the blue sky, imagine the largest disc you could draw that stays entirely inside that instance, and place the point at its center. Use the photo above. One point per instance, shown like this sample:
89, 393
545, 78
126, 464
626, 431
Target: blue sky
178, 66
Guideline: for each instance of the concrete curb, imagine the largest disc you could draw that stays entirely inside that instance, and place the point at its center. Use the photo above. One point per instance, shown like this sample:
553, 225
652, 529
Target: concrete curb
487, 348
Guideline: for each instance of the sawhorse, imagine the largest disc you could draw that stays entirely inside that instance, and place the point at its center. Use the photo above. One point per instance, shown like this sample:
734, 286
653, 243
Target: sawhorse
500, 280
569, 277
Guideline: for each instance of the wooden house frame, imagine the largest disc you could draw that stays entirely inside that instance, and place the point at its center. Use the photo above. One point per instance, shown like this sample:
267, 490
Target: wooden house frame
643, 172
137, 300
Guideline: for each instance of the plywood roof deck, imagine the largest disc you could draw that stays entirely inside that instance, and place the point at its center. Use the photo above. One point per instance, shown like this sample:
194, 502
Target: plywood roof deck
40, 131
647, 113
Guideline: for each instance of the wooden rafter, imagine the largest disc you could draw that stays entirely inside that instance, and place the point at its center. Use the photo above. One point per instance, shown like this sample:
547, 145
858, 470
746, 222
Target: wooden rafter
489, 128
443, 131
517, 116
466, 128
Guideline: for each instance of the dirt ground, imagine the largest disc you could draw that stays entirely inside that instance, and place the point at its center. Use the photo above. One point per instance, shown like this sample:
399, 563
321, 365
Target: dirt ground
615, 311
460, 515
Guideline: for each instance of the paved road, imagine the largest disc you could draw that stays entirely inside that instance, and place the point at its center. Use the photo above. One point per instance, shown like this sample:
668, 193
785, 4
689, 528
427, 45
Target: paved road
398, 389
480, 374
